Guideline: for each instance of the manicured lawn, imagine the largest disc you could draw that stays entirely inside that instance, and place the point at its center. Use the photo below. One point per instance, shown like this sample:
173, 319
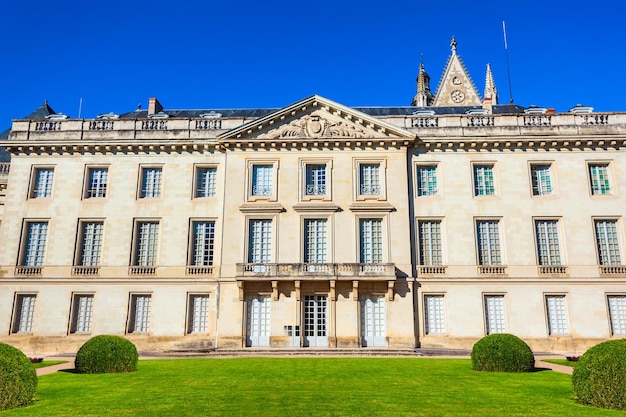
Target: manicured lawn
307, 386
47, 363
561, 362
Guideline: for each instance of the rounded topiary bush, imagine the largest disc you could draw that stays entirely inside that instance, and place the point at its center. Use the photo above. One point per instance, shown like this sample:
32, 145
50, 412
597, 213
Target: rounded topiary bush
600, 375
18, 378
502, 353
106, 354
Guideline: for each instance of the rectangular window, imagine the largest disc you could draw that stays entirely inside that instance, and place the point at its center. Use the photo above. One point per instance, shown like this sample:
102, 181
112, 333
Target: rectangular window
495, 315
488, 237
81, 313
197, 322
430, 248
205, 182
97, 182
617, 312
139, 320
262, 180
90, 243
35, 245
608, 242
150, 182
369, 179
426, 180
260, 241
483, 180
315, 244
42, 183
203, 243
599, 177
557, 314
315, 180
23, 313
434, 314
146, 243
371, 239
548, 250
541, 179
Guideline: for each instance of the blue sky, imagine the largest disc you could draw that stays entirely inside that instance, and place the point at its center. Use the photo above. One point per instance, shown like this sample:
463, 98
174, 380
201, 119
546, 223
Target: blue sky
245, 54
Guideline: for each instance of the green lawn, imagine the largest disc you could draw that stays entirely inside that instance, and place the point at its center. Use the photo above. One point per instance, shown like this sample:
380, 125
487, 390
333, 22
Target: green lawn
307, 386
561, 362
47, 363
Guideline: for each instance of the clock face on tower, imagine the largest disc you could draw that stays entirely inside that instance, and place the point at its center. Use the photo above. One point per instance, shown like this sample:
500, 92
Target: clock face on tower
457, 96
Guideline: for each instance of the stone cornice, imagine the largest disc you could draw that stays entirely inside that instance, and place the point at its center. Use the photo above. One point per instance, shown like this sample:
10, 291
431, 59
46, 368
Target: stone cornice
512, 143
19, 147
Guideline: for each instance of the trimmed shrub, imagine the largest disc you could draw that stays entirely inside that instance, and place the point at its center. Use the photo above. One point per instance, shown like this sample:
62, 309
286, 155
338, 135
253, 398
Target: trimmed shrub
600, 375
106, 354
18, 378
502, 353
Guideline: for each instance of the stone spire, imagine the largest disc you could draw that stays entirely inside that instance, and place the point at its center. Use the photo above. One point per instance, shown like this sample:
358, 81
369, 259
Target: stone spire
423, 97
490, 87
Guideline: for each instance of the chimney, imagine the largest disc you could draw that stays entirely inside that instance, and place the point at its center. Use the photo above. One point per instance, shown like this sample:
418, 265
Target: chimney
154, 106
488, 104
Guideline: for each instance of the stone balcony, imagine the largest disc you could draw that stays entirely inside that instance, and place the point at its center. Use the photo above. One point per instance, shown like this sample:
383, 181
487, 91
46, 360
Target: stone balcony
316, 271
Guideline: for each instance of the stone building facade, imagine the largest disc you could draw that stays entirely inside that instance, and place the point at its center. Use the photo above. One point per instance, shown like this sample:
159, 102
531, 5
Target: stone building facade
316, 225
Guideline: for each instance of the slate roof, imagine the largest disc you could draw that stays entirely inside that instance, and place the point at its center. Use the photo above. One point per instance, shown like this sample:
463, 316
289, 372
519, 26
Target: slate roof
38, 114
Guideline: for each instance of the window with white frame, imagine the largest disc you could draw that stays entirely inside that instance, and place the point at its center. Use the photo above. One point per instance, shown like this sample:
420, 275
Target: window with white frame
541, 178
203, 243
139, 315
198, 318
371, 241
430, 247
146, 243
548, 248
262, 180
260, 241
617, 313
315, 182
607, 242
82, 307
316, 241
42, 182
35, 244
23, 313
434, 314
556, 308
495, 314
151, 178
206, 178
599, 179
488, 240
484, 183
427, 180
369, 179
90, 248
97, 178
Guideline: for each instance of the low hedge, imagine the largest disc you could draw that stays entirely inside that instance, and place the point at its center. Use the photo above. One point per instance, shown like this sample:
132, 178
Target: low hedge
502, 353
18, 378
106, 354
600, 375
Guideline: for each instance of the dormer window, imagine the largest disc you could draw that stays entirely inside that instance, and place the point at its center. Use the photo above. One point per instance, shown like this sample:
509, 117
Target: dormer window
107, 116
210, 115
159, 115
536, 110
57, 116
579, 108
475, 112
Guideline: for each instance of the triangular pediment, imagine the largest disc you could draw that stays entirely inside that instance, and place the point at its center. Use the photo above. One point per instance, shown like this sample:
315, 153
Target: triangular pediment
456, 88
316, 119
